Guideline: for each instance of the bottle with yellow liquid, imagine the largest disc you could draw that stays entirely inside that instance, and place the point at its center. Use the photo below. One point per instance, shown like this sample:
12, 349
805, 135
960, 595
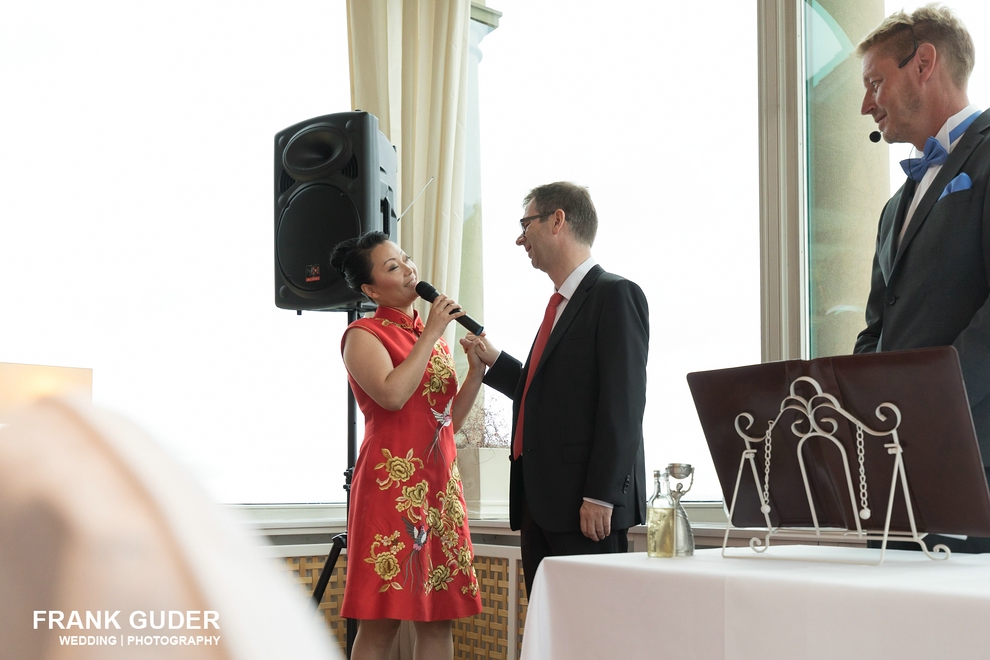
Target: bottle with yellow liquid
660, 518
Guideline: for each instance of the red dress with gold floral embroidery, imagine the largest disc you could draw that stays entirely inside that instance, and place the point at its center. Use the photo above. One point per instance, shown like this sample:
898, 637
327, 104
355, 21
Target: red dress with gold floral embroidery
409, 553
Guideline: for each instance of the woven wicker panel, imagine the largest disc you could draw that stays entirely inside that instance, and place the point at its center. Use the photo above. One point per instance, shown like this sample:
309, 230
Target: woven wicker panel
521, 606
306, 571
486, 635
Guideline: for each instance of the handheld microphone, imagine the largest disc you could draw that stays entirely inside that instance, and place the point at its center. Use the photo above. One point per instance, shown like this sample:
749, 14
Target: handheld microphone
429, 294
875, 136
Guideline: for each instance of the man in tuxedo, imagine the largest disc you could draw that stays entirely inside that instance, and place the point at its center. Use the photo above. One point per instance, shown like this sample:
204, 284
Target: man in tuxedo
577, 480
931, 270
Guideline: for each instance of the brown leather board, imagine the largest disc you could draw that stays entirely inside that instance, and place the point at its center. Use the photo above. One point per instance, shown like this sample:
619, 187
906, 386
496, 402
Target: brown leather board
945, 474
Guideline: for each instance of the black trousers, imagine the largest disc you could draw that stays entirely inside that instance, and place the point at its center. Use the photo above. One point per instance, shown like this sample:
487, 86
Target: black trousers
538, 543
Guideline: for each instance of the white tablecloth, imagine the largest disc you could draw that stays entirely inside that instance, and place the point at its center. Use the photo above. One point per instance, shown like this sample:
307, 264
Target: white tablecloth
706, 606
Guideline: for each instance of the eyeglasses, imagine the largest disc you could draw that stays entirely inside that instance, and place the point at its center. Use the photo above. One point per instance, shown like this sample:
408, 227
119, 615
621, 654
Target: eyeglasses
913, 52
525, 222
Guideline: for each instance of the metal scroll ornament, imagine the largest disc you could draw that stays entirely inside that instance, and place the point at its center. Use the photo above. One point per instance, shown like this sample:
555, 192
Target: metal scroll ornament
818, 417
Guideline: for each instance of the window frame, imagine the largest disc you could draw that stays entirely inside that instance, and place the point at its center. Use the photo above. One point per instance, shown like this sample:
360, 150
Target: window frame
783, 181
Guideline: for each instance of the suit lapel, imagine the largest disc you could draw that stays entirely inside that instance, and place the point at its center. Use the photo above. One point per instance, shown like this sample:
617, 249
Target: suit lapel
570, 311
967, 144
888, 249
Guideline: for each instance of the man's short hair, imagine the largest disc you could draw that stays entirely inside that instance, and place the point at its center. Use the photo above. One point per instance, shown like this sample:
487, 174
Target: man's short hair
935, 24
574, 200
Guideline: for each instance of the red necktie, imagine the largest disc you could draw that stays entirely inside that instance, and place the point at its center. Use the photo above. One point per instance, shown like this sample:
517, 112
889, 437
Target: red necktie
534, 360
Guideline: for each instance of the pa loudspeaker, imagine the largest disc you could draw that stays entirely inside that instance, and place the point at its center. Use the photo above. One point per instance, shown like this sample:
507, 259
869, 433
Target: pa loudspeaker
335, 179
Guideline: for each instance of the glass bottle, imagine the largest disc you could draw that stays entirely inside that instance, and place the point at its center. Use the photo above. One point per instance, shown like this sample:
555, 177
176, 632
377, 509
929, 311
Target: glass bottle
660, 518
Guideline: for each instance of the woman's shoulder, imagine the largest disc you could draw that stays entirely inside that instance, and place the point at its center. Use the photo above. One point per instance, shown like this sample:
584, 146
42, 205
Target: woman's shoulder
365, 323
369, 325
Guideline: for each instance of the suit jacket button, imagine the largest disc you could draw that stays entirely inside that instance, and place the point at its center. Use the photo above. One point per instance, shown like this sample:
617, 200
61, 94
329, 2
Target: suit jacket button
891, 299
625, 489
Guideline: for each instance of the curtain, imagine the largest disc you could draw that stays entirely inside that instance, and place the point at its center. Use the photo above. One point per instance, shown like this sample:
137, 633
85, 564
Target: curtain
409, 68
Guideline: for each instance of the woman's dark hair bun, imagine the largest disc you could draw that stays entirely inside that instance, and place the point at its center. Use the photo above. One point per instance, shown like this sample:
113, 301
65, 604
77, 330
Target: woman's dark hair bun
352, 258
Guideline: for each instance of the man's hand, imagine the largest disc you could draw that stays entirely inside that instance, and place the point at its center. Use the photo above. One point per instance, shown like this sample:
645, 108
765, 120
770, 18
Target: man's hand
596, 520
482, 347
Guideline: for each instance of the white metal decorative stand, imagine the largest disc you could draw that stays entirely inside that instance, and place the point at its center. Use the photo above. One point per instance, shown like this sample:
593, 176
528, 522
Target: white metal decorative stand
817, 419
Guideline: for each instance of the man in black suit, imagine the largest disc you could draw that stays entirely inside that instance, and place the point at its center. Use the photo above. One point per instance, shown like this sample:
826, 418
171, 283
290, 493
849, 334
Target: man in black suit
931, 270
577, 480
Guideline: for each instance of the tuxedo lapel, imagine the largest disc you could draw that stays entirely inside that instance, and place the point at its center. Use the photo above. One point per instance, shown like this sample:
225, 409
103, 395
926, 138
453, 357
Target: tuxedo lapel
963, 150
888, 249
570, 311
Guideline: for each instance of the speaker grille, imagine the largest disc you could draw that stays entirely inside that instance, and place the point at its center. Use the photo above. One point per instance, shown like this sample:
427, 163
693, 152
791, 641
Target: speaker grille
285, 182
351, 169
315, 220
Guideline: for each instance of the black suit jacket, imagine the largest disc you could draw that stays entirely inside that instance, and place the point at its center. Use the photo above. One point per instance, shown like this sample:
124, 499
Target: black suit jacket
583, 434
932, 289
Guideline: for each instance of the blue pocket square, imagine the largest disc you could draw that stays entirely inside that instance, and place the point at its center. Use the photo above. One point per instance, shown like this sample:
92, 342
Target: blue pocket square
961, 182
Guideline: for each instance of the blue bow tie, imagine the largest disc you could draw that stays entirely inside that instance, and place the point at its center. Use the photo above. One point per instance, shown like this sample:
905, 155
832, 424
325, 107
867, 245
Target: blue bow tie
934, 154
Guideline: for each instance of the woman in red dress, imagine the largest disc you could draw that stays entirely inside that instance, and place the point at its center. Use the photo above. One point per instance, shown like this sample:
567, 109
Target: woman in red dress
409, 554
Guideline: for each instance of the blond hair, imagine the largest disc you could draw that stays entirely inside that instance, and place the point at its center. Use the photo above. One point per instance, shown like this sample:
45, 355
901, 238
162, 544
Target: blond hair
935, 24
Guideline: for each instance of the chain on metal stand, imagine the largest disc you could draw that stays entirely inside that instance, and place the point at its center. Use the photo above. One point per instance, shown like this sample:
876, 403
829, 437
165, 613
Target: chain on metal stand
816, 422
768, 438
864, 512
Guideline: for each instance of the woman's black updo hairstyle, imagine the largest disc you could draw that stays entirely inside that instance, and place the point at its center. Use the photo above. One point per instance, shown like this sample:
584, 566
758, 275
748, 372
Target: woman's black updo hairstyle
352, 258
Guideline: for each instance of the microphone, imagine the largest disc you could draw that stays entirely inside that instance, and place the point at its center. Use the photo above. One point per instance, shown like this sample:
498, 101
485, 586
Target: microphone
875, 136
429, 294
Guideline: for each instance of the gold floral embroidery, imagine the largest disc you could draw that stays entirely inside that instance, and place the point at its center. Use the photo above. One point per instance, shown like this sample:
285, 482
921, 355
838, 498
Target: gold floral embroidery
449, 539
443, 524
404, 326
439, 371
472, 587
457, 512
438, 578
386, 564
453, 487
464, 561
434, 520
451, 503
398, 468
413, 498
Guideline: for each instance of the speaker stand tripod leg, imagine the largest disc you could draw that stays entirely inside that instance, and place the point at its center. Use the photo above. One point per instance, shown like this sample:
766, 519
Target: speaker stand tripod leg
339, 542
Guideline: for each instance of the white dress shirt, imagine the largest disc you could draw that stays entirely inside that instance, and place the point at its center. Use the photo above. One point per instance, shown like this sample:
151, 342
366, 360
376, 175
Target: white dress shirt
944, 140
570, 285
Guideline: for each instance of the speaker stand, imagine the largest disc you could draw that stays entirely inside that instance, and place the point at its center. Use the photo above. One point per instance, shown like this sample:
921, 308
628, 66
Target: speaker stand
340, 540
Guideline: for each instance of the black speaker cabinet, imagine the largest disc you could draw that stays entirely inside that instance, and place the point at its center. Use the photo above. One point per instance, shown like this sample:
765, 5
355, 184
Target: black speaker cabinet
335, 179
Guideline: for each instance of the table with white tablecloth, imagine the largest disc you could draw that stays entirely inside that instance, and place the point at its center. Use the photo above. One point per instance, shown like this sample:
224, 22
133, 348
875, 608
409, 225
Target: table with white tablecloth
785, 606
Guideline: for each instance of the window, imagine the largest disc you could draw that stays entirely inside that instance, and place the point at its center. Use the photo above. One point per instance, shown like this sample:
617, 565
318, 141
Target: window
136, 181
137, 240
849, 177
663, 131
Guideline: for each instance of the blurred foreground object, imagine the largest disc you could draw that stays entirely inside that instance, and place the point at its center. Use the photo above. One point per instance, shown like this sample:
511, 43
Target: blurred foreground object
21, 384
95, 518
